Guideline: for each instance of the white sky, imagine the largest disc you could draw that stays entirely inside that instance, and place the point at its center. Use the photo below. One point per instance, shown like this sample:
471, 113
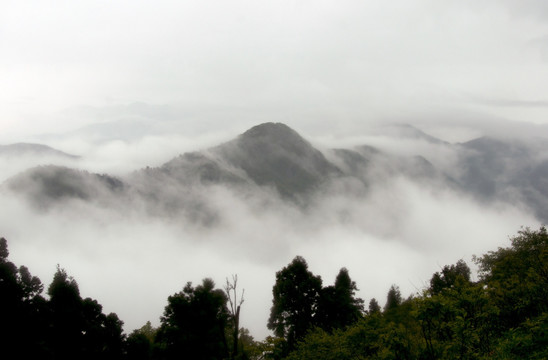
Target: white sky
307, 63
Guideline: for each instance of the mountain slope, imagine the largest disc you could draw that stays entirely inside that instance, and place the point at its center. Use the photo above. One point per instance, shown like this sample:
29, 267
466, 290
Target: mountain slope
511, 170
275, 155
267, 157
45, 186
271, 155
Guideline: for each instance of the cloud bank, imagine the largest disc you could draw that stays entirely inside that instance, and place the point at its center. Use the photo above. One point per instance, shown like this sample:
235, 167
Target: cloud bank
398, 231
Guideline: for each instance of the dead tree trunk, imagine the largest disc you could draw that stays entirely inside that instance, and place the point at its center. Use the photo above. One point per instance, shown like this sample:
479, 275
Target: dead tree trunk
235, 305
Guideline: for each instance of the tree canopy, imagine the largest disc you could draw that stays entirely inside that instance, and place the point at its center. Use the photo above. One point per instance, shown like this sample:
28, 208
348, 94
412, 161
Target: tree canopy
194, 322
62, 326
296, 296
338, 306
517, 276
448, 276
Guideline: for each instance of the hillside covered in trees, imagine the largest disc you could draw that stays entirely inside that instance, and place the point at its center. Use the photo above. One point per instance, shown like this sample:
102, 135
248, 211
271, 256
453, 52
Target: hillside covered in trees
503, 315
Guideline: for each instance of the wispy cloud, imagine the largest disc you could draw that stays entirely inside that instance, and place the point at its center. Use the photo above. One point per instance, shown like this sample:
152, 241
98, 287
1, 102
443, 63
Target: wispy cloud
393, 230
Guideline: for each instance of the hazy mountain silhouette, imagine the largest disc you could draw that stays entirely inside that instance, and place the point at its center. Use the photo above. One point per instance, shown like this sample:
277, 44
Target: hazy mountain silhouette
406, 131
29, 149
274, 159
275, 155
512, 170
266, 155
45, 185
271, 157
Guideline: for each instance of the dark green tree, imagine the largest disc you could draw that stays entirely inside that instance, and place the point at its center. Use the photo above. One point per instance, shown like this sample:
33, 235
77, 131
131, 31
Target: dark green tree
338, 305
371, 337
393, 298
351, 307
527, 341
63, 327
456, 323
448, 276
11, 299
296, 296
66, 335
140, 343
517, 277
93, 320
103, 334
194, 322
22, 309
374, 307
77, 327
113, 337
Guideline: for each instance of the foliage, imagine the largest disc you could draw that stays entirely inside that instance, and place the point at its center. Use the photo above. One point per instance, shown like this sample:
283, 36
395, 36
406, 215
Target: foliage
374, 307
517, 277
393, 299
65, 326
22, 308
503, 316
296, 296
338, 307
272, 347
449, 276
457, 322
528, 341
373, 337
194, 322
78, 327
140, 343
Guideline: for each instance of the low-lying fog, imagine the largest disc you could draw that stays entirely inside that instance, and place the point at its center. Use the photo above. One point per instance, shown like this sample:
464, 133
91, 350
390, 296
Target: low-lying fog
400, 233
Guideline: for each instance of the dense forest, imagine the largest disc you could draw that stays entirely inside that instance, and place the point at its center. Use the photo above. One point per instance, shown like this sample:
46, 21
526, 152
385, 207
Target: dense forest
502, 315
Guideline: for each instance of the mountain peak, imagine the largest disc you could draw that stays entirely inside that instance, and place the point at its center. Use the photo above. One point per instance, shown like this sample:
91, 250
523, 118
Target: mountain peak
263, 138
272, 131
275, 154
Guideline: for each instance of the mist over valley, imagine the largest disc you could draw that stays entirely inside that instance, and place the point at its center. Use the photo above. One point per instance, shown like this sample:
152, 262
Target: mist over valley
392, 213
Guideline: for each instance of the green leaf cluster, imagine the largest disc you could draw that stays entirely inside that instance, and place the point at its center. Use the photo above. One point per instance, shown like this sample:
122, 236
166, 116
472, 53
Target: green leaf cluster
501, 316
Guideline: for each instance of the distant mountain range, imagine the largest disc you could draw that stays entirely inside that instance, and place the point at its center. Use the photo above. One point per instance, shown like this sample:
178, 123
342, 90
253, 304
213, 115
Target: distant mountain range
28, 149
276, 161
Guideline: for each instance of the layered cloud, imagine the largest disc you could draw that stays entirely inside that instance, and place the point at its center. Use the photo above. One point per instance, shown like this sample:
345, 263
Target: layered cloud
393, 229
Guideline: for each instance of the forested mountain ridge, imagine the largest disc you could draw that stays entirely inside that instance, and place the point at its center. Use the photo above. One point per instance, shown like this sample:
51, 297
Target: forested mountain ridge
273, 159
267, 155
45, 185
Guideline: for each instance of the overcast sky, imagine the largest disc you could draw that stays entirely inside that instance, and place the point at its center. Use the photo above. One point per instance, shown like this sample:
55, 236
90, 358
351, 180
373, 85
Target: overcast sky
147, 80
316, 65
